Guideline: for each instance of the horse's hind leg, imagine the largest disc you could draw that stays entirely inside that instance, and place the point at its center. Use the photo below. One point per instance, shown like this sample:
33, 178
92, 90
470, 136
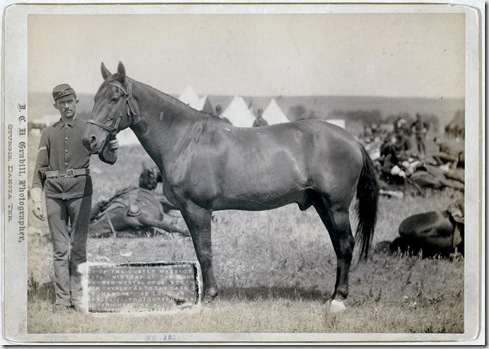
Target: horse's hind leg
337, 222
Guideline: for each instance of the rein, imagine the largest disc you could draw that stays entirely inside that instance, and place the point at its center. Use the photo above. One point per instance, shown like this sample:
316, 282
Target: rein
131, 109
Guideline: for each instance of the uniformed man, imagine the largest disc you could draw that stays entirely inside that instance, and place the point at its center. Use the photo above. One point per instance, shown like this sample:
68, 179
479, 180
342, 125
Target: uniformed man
219, 114
259, 120
62, 170
420, 129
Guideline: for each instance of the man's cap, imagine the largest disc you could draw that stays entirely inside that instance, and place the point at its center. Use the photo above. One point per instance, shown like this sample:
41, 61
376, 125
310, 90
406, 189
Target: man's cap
62, 91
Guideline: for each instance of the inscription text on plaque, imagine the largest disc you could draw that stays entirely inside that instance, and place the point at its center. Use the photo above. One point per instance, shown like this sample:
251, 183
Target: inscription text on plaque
142, 287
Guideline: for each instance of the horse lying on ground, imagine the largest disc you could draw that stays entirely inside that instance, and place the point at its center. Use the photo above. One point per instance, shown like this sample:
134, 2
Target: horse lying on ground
433, 177
432, 233
420, 181
129, 210
209, 165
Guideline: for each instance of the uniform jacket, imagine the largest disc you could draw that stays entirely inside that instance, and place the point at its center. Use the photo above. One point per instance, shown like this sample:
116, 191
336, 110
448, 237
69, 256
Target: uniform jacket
61, 149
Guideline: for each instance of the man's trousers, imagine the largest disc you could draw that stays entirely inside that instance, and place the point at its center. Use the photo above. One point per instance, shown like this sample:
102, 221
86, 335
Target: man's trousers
69, 221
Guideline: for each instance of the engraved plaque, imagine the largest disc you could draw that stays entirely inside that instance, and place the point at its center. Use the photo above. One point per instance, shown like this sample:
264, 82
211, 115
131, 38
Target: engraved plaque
137, 287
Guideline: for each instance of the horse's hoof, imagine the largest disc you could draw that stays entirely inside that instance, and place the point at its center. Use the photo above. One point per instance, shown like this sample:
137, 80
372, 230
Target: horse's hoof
209, 297
208, 300
335, 306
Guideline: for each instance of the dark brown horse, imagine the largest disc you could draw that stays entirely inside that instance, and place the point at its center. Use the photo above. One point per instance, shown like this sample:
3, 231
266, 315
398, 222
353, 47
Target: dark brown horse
436, 233
209, 165
130, 210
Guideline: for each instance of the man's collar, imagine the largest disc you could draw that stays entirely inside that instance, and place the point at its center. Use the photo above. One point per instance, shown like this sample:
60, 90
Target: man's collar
70, 123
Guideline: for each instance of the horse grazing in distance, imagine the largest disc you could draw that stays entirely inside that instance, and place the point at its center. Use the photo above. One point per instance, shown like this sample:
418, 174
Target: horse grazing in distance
209, 165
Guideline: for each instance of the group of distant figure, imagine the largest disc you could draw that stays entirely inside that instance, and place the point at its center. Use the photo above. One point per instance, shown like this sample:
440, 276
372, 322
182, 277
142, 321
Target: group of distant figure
454, 131
402, 165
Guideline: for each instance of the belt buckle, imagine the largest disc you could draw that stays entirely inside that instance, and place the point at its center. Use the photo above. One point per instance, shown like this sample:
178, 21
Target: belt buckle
70, 173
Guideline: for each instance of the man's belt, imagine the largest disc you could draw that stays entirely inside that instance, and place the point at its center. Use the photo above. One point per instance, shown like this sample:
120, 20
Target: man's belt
68, 173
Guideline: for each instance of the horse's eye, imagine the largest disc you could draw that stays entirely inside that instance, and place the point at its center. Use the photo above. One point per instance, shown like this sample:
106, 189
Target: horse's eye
114, 99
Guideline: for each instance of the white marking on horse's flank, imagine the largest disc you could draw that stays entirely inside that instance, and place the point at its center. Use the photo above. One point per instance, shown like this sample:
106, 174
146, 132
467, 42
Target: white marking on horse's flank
336, 306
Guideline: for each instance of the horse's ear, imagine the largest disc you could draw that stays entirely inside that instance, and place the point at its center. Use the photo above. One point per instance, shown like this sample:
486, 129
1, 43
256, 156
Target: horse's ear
121, 70
105, 72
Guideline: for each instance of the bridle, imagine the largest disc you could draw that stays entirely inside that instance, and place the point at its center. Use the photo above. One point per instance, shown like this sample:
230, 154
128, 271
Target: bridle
131, 111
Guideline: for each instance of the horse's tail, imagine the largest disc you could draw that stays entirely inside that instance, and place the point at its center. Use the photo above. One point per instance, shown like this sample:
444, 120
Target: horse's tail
367, 200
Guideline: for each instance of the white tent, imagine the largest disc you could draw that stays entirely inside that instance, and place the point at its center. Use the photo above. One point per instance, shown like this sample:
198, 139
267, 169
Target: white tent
191, 98
337, 122
273, 114
238, 113
207, 105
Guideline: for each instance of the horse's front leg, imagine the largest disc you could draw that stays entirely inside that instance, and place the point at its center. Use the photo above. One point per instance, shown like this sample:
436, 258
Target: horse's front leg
199, 223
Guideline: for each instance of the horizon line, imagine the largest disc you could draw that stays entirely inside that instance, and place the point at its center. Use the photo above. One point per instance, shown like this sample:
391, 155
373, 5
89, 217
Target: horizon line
278, 97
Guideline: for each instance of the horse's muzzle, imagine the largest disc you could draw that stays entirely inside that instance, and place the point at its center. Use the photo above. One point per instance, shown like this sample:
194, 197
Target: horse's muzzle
92, 143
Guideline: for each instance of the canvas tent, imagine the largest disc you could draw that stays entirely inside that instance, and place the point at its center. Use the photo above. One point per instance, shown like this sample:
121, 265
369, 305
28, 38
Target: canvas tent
273, 114
338, 122
456, 127
207, 105
191, 98
238, 113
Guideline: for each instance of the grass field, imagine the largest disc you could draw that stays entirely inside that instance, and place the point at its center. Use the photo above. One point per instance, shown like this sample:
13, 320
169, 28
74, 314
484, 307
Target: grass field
275, 270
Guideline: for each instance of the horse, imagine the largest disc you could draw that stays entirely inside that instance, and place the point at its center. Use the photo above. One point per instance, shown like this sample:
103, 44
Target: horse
130, 210
434, 233
209, 165
429, 176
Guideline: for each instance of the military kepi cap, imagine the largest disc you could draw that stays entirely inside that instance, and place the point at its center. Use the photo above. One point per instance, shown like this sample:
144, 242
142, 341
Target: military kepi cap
62, 91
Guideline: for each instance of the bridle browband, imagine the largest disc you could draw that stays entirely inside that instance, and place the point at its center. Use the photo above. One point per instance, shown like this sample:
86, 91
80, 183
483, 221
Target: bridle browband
131, 109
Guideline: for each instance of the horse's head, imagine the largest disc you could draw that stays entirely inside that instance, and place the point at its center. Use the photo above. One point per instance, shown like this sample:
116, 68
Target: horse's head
114, 110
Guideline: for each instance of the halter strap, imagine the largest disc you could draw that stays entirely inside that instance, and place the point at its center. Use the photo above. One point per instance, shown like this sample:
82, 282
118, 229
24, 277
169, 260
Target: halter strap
110, 129
131, 108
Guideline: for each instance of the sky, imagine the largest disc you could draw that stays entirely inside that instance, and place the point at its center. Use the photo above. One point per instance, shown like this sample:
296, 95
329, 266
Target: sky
391, 55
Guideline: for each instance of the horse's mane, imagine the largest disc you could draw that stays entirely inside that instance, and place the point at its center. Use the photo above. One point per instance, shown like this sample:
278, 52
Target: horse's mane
179, 105
171, 101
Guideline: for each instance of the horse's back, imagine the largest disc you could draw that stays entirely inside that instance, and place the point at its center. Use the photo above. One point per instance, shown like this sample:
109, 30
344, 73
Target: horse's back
306, 137
269, 166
